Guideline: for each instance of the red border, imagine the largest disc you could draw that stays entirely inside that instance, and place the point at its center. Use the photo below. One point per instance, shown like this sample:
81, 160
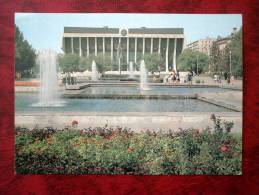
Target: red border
248, 183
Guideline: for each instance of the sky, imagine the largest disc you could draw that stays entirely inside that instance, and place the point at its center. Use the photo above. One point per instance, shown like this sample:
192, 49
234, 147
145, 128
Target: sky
44, 30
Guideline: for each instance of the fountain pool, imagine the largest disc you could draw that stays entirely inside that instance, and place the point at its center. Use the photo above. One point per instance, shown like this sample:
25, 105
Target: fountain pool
154, 90
23, 103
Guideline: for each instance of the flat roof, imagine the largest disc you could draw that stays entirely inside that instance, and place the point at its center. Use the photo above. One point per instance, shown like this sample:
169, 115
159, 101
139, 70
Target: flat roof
107, 30
156, 31
91, 30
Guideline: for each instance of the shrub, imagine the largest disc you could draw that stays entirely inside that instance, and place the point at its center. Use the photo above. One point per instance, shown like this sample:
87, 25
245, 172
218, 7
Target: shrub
121, 151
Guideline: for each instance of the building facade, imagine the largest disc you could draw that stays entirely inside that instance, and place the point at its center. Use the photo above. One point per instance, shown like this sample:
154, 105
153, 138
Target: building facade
125, 45
202, 45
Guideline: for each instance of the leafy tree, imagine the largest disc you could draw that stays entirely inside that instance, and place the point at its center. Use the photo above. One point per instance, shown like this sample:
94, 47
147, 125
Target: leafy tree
73, 63
69, 62
235, 46
215, 58
189, 60
103, 62
84, 64
152, 61
25, 57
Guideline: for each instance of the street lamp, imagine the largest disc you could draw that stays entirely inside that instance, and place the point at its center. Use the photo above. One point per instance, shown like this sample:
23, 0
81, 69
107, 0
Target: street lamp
197, 65
230, 68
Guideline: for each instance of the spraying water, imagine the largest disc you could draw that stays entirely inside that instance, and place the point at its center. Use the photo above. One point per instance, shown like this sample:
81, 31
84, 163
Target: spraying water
94, 72
143, 76
131, 71
49, 96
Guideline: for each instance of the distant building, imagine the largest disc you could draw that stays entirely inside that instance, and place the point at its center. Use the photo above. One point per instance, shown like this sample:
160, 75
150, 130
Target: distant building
202, 45
131, 43
223, 41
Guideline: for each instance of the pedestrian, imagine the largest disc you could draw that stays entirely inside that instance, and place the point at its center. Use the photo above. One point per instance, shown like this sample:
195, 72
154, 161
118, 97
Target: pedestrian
232, 79
174, 77
178, 77
228, 79
189, 77
225, 75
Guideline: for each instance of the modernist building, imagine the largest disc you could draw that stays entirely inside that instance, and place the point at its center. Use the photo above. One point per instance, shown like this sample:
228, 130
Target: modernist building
202, 45
127, 45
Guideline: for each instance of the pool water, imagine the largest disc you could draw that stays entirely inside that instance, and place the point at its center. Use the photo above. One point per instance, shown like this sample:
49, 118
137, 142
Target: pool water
24, 102
154, 90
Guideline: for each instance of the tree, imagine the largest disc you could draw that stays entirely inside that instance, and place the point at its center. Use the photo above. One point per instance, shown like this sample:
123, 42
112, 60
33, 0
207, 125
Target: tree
103, 62
84, 64
152, 61
69, 62
74, 63
25, 56
215, 58
191, 60
235, 46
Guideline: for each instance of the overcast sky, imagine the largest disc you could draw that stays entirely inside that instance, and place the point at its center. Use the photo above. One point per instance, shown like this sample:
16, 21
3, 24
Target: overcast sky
45, 30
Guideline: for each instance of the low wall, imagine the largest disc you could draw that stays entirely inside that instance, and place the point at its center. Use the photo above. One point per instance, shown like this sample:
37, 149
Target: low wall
135, 121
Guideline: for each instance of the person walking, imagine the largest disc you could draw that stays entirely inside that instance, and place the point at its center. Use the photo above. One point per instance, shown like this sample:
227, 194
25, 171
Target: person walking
189, 77
177, 77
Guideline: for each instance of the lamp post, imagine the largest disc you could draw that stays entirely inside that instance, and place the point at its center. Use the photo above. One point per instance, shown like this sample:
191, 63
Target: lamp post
197, 65
230, 68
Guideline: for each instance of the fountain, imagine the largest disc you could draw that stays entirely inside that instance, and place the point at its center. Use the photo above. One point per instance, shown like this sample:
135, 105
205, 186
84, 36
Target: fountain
49, 96
143, 76
131, 71
94, 75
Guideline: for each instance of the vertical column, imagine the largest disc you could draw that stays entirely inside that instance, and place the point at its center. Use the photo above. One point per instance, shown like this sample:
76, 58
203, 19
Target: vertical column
135, 49
151, 49
72, 45
111, 48
103, 45
80, 47
87, 47
159, 45
166, 60
143, 49
127, 50
64, 44
174, 61
95, 46
119, 53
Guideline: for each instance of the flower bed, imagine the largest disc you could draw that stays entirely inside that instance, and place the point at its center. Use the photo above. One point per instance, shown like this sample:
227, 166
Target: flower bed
122, 151
27, 83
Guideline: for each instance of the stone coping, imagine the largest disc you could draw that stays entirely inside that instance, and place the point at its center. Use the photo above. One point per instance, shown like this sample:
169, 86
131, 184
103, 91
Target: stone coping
220, 103
141, 114
127, 96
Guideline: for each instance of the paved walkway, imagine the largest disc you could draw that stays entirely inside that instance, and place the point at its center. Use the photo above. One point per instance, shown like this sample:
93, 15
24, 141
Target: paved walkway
229, 99
236, 84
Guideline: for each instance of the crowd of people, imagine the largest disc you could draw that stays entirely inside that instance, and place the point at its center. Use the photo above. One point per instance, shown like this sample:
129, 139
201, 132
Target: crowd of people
173, 78
227, 76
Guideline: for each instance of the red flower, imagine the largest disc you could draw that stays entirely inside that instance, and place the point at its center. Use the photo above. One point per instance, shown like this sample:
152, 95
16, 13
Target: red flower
130, 149
74, 123
224, 148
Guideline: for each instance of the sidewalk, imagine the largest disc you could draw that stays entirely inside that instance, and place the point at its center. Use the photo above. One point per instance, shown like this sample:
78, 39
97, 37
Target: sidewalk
230, 99
237, 84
